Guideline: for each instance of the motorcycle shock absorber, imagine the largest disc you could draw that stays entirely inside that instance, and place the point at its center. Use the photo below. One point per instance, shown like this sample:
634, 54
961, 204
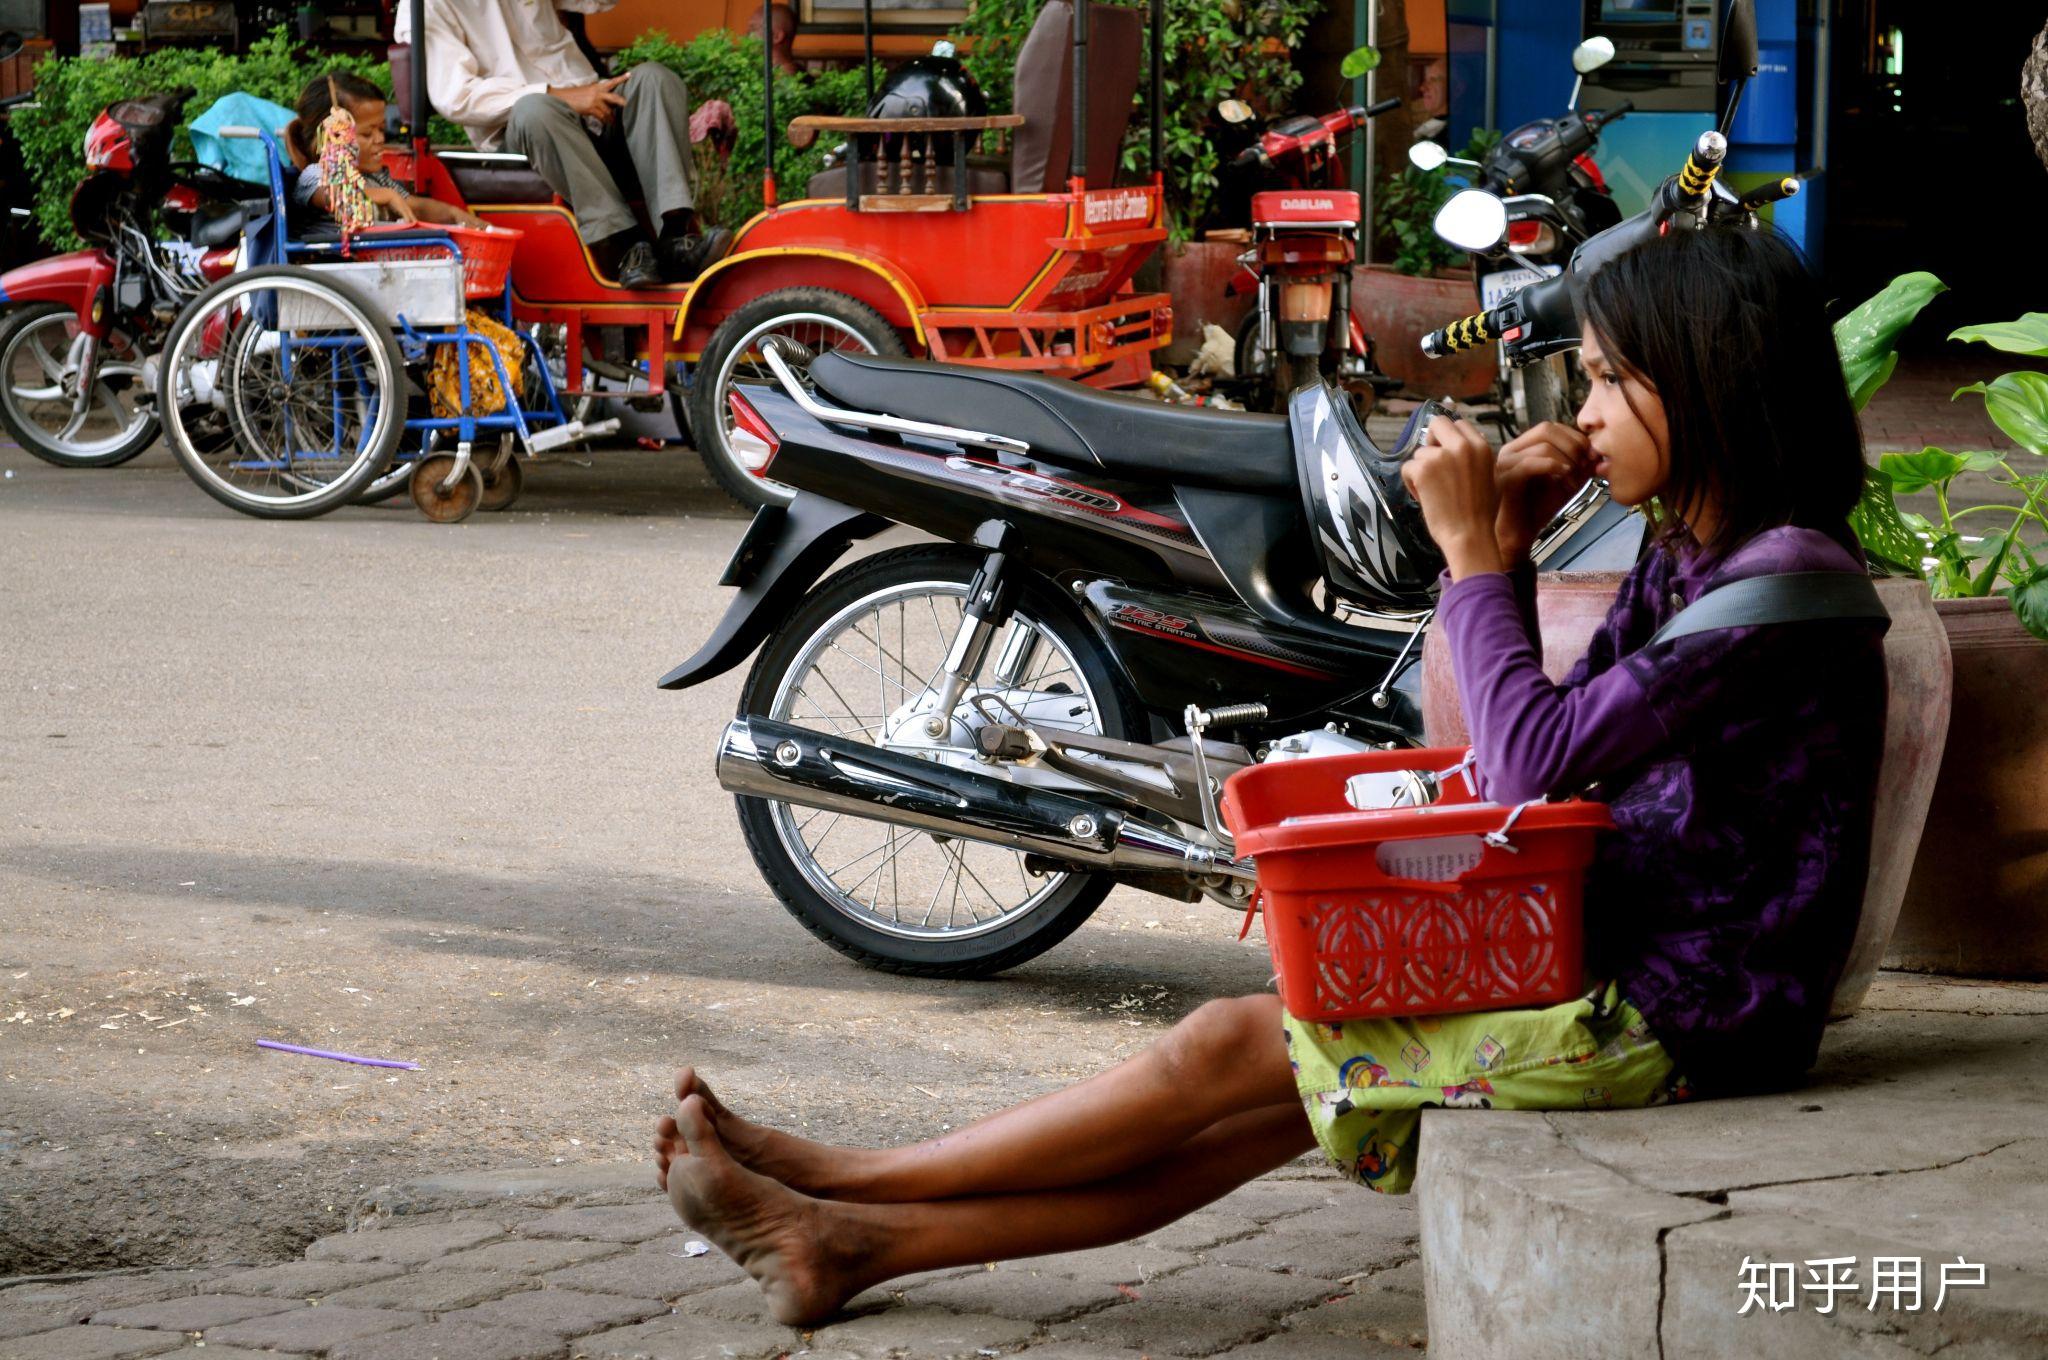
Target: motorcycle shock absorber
990, 599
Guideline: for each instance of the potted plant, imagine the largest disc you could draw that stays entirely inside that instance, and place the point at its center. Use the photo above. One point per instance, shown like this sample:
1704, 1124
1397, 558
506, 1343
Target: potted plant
1428, 284
1973, 904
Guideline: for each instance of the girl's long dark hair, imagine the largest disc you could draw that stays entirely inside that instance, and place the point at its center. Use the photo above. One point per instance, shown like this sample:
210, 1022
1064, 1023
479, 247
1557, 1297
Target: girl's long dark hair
316, 101
1728, 326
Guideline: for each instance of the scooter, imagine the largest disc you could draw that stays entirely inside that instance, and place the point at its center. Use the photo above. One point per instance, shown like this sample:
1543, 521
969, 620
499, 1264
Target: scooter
947, 754
79, 338
1556, 199
1304, 227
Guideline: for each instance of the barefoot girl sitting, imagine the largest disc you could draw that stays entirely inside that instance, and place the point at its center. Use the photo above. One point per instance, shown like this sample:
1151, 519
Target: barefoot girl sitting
1740, 766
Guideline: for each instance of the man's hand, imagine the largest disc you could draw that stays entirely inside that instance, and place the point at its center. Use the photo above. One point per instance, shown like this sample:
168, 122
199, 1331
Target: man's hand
1452, 476
1538, 471
600, 100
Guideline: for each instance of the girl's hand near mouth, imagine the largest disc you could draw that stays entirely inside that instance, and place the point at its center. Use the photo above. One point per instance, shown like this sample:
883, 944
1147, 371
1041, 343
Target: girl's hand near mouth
1537, 472
1452, 475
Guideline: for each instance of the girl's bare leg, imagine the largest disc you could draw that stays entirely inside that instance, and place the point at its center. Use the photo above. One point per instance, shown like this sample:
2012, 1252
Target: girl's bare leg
809, 1255
1225, 1058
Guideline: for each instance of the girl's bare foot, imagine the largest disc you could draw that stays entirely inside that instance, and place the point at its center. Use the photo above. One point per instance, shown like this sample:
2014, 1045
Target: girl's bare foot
776, 1235
808, 1167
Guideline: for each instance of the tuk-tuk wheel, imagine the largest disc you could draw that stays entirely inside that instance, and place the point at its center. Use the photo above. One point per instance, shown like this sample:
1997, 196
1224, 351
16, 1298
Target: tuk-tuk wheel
819, 319
502, 487
446, 505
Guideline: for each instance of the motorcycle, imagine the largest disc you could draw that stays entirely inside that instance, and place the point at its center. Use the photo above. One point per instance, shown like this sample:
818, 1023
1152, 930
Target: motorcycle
947, 754
1304, 241
1556, 199
79, 338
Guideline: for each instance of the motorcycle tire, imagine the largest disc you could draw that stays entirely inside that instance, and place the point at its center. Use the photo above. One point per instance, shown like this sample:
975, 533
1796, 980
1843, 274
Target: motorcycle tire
15, 331
841, 919
807, 315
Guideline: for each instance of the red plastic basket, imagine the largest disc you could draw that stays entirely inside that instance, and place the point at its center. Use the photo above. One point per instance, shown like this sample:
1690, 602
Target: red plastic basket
486, 253
1488, 925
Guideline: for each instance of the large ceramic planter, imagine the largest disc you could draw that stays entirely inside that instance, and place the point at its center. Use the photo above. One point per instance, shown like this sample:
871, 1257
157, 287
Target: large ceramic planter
1570, 607
1198, 276
1977, 902
1397, 310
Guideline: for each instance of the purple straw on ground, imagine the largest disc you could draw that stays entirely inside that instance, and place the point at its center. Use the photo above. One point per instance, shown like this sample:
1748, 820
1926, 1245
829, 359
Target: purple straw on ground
338, 1057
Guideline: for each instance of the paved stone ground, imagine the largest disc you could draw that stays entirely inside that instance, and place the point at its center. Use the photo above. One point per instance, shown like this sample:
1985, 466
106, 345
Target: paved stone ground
587, 1263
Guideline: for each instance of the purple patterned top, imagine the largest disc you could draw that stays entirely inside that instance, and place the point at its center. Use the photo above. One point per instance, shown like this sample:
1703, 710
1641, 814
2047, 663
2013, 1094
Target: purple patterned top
1741, 769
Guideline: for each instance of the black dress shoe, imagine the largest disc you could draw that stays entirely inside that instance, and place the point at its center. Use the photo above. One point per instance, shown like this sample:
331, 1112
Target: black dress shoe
638, 268
685, 257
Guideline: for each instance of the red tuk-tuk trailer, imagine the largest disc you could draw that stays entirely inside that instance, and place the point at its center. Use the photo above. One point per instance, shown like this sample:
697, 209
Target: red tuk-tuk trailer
917, 246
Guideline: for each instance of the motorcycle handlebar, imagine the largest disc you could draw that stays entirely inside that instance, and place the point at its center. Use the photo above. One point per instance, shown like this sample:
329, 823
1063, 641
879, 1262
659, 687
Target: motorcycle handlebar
1773, 192
1602, 117
1477, 329
1702, 165
1387, 105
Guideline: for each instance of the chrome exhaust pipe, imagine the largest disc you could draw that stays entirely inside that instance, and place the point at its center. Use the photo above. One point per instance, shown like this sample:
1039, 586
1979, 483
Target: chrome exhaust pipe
762, 758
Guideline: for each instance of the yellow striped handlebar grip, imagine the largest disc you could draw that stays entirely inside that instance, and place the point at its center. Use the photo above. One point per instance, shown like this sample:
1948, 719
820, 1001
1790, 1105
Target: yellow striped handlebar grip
1702, 164
1459, 335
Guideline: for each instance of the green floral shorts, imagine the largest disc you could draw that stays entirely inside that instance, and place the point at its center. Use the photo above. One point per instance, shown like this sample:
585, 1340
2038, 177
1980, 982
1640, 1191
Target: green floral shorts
1365, 1083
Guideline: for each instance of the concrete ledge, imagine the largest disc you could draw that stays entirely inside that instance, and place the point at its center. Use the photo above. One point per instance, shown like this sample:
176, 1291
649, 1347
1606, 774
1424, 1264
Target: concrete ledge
1623, 1233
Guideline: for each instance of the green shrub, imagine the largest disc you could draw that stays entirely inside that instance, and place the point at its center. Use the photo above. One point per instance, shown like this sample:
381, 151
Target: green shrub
718, 65
71, 92
1215, 50
1407, 207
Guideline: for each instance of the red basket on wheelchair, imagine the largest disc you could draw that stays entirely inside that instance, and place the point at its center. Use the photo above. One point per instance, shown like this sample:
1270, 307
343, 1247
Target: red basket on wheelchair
486, 253
1378, 910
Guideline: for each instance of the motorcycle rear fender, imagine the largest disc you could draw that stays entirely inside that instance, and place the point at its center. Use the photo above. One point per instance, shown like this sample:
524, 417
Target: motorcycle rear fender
785, 551
69, 280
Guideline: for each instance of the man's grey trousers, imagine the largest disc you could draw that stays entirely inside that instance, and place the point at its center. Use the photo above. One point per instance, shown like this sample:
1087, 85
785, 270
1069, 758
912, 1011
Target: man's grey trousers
654, 130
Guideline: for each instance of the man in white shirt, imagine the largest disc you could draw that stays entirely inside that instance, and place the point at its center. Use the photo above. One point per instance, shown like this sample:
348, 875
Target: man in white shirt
513, 77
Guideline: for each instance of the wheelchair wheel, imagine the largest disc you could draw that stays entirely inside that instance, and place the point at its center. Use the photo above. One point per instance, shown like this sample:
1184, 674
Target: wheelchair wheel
816, 318
283, 393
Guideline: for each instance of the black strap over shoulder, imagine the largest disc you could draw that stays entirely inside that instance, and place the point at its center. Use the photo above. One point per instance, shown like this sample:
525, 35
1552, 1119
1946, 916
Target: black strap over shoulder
1789, 597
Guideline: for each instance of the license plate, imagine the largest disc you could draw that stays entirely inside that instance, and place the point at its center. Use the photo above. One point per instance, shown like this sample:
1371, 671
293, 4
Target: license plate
1499, 286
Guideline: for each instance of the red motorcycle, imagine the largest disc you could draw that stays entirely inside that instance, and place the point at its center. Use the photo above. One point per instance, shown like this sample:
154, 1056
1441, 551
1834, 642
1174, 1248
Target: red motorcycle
81, 331
1304, 242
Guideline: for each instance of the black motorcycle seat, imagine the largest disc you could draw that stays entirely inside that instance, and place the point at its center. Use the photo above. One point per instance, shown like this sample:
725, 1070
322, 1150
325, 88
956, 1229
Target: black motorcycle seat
1070, 423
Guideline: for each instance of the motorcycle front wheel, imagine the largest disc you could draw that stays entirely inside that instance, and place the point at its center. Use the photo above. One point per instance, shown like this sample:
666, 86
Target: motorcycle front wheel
853, 661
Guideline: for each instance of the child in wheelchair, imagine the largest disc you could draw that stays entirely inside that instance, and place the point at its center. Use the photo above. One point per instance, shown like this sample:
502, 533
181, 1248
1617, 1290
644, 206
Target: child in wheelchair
314, 202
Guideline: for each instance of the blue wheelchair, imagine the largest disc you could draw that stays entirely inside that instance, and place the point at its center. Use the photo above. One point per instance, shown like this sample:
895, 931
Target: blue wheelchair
319, 375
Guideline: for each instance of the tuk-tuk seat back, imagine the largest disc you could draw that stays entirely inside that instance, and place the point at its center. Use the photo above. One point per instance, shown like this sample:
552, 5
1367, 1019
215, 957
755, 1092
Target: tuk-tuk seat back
1041, 149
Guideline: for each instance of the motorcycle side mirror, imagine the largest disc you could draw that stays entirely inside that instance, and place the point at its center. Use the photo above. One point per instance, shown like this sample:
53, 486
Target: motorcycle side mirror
1737, 59
1427, 156
1587, 57
1234, 111
1473, 220
1592, 54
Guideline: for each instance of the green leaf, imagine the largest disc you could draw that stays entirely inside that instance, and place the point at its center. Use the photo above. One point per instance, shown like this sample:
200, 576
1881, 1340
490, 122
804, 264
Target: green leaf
2029, 598
2028, 335
1981, 460
1358, 61
1912, 472
1865, 336
2018, 403
1880, 529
